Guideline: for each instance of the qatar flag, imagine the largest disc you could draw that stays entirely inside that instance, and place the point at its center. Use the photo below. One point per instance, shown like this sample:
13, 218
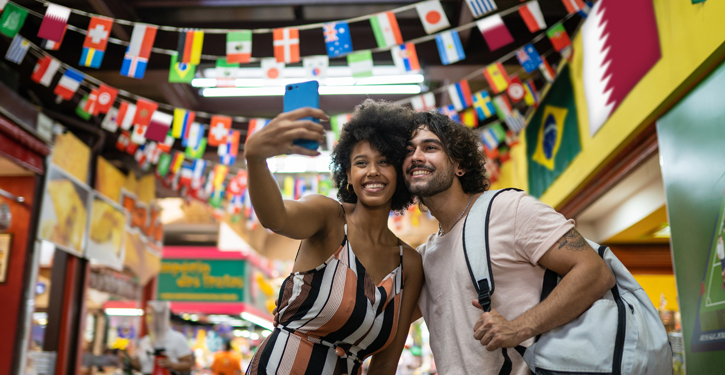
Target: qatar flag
54, 23
621, 45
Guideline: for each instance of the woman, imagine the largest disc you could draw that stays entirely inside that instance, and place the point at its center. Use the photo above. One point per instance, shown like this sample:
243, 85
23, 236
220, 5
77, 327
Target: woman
344, 300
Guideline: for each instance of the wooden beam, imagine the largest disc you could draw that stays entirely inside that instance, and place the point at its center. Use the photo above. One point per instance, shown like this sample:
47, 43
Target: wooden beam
645, 259
179, 95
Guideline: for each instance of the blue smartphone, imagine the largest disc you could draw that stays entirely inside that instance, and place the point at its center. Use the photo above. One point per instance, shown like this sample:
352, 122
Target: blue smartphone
303, 94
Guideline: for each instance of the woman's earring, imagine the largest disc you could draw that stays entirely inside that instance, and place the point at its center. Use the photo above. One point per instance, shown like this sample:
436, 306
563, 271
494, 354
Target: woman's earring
460, 174
350, 190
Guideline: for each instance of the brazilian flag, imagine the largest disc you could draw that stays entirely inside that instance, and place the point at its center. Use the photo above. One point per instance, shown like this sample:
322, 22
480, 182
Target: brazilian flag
181, 72
552, 136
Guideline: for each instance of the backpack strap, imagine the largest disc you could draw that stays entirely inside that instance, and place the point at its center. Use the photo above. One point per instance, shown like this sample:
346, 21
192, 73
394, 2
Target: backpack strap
478, 259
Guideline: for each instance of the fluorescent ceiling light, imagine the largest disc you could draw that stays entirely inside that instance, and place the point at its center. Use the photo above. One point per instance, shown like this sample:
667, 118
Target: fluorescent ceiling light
395, 79
324, 90
300, 163
112, 311
264, 323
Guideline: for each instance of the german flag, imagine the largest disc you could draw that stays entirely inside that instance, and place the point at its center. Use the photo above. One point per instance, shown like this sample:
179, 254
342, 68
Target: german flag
190, 43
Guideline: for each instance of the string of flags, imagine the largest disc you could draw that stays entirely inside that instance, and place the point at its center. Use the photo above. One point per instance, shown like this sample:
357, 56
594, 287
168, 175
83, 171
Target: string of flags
149, 134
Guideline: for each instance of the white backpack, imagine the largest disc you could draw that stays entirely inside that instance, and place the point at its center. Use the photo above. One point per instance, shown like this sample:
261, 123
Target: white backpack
619, 334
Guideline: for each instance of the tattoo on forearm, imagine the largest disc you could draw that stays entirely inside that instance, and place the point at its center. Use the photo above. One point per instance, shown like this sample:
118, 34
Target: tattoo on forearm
573, 241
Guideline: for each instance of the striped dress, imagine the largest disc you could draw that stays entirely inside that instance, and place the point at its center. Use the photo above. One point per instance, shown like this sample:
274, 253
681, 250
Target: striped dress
331, 318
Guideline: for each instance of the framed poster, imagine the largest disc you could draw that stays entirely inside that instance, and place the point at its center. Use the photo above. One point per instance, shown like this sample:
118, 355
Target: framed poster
64, 211
106, 232
4, 255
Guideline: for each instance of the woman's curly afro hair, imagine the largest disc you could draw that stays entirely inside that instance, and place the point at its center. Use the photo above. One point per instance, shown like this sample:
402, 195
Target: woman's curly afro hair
387, 127
462, 145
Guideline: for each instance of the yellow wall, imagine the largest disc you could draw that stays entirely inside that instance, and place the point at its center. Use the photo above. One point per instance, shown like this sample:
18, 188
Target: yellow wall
515, 172
655, 285
689, 35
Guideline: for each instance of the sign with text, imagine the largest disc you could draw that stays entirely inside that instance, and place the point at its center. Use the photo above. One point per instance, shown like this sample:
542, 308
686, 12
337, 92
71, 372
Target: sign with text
202, 280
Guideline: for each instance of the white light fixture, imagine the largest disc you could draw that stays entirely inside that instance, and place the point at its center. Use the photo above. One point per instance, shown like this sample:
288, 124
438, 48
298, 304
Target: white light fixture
264, 323
324, 90
112, 311
299, 72
254, 336
266, 333
300, 164
397, 79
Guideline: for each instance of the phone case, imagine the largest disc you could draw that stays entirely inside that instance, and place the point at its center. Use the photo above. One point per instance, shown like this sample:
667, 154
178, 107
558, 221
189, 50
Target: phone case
303, 94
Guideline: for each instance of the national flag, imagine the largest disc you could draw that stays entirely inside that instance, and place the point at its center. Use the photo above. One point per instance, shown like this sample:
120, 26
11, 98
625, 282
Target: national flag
337, 38
181, 72
167, 144
219, 128
449, 47
552, 138
256, 124
51, 45
12, 20
162, 168
183, 118
196, 152
159, 126
196, 135
106, 98
558, 37
460, 94
54, 22
94, 46
286, 45
152, 152
405, 57
337, 122
220, 174
481, 7
528, 57
238, 183
109, 122
423, 102
126, 114
189, 47
450, 111
228, 151
483, 105
18, 49
176, 162
92, 102
239, 46
469, 118
271, 69
361, 64
144, 110
137, 135
432, 16
532, 16
531, 97
123, 141
546, 71
579, 6
185, 175
197, 174
226, 73
495, 32
493, 135
138, 51
386, 30
497, 77
68, 84
316, 66
515, 90
512, 117
85, 106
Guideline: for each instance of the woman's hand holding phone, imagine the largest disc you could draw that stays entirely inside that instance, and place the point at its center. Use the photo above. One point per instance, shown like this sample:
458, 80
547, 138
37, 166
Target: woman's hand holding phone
278, 136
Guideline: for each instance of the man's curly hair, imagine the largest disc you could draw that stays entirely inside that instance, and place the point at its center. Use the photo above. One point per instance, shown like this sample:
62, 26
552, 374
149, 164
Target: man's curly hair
462, 146
387, 126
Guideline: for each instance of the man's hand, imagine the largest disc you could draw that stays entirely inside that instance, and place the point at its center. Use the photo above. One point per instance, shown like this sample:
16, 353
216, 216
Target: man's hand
494, 331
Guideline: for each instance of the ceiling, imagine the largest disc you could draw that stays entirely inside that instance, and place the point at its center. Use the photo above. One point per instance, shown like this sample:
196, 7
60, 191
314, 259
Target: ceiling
252, 14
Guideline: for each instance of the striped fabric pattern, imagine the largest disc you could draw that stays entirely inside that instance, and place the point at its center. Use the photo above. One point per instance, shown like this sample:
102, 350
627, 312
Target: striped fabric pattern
331, 318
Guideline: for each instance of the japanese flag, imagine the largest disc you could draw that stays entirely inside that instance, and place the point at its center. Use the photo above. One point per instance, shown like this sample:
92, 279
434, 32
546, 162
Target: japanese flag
432, 16
271, 69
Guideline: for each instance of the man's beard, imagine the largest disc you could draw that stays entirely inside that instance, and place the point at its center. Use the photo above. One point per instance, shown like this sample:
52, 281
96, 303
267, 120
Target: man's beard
441, 182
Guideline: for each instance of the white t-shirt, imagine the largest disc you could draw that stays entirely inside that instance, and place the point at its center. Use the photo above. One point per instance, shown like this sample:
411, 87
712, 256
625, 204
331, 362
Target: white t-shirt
174, 343
521, 230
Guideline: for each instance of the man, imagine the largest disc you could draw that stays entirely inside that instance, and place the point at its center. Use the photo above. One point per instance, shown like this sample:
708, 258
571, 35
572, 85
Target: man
445, 170
163, 340
227, 362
